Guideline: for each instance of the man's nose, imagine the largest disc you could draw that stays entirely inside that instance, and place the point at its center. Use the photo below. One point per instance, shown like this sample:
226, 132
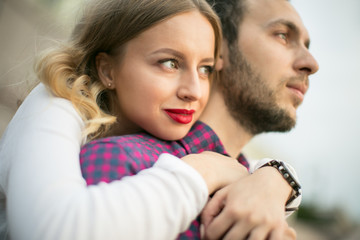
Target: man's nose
306, 63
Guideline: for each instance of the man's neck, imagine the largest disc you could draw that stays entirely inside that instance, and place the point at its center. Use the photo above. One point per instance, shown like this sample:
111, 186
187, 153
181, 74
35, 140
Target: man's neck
233, 136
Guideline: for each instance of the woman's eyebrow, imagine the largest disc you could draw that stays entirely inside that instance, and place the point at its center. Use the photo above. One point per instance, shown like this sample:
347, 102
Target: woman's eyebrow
169, 51
179, 54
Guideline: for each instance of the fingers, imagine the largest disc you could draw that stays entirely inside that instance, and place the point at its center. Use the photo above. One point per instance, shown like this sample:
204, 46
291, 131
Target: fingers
251, 227
260, 232
240, 223
290, 234
241, 230
231, 223
212, 208
216, 229
224, 227
285, 233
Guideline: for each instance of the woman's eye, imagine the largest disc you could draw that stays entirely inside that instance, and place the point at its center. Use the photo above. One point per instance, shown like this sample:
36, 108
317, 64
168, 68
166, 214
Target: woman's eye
206, 70
170, 63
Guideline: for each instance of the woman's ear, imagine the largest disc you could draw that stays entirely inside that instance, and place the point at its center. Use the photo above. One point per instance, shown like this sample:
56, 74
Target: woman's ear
104, 66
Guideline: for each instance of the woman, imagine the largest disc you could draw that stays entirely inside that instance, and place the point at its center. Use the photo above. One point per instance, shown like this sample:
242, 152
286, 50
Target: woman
42, 190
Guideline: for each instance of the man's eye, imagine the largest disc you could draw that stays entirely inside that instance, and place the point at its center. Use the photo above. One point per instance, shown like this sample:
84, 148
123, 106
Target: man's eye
170, 63
283, 36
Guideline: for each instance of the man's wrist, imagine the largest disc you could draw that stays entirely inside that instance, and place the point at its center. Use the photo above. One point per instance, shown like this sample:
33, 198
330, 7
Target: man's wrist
288, 176
275, 182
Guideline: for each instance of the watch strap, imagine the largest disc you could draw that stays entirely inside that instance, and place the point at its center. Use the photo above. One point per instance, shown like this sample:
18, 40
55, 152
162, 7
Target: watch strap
290, 179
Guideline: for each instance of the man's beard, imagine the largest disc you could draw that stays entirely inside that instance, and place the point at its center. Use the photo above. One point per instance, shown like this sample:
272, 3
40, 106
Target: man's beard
250, 100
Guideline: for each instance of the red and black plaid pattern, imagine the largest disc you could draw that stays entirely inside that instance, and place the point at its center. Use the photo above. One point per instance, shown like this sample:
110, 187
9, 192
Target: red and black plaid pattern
112, 158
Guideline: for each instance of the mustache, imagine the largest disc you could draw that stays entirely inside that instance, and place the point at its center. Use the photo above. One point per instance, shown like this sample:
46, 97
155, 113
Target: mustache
298, 79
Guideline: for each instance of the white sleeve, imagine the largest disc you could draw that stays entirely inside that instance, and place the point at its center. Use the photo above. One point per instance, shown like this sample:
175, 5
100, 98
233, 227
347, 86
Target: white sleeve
294, 204
47, 198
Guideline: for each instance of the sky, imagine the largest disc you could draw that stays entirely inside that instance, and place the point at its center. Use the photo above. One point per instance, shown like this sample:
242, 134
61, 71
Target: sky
324, 147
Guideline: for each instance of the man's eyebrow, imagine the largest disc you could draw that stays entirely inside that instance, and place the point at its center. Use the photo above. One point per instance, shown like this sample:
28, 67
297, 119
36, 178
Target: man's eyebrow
290, 25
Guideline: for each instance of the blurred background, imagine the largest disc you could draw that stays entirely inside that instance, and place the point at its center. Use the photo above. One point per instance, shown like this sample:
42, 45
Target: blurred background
324, 147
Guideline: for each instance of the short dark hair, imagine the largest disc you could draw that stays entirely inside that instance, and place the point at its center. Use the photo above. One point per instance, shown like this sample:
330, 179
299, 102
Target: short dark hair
231, 14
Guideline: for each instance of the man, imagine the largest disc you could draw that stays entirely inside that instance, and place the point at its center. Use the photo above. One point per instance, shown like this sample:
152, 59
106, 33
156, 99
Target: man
266, 65
265, 68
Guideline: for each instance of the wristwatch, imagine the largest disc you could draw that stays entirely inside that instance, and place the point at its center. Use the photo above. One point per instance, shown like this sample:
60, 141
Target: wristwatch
286, 173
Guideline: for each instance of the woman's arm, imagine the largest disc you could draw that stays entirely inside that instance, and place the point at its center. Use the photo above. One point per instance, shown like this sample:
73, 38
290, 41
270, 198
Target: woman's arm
47, 198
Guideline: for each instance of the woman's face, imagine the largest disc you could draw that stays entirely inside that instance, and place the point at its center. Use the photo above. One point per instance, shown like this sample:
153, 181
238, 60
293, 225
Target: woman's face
162, 80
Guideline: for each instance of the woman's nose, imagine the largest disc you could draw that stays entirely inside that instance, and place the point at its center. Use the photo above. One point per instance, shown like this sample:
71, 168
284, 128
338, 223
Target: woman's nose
190, 87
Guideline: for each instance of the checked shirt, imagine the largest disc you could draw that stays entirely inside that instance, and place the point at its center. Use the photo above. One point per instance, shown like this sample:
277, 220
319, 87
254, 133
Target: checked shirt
112, 158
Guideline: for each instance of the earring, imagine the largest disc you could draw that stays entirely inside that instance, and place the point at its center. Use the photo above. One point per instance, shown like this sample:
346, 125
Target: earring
109, 85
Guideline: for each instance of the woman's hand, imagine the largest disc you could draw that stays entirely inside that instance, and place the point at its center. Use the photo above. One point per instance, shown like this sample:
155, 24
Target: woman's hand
216, 169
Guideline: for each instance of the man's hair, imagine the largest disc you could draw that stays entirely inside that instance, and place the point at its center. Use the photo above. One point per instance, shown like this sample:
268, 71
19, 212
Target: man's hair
231, 14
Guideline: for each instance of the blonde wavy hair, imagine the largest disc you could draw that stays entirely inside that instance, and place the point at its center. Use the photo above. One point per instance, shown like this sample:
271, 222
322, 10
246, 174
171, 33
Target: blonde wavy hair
70, 72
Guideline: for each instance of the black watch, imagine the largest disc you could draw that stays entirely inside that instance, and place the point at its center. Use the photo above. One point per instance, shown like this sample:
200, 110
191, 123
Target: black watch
285, 172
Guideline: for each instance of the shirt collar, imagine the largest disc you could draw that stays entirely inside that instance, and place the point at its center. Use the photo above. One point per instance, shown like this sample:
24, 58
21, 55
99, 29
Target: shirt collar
202, 138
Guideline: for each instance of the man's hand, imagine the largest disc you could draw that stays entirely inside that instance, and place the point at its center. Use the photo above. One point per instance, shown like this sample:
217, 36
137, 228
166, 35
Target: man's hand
251, 208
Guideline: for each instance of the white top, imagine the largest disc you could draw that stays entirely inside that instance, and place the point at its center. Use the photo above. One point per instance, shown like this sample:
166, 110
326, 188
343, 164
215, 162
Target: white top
43, 194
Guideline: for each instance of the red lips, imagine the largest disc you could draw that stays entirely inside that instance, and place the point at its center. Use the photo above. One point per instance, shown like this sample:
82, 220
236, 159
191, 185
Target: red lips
182, 116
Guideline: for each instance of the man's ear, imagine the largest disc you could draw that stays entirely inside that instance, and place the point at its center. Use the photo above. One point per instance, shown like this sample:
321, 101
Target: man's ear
104, 66
219, 63
223, 56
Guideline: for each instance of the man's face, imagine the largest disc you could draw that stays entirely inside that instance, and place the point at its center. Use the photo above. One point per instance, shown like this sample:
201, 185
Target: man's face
268, 67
